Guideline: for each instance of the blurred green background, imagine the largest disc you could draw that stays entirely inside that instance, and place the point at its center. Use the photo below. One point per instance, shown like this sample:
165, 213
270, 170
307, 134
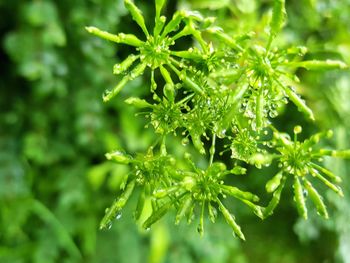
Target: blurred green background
55, 129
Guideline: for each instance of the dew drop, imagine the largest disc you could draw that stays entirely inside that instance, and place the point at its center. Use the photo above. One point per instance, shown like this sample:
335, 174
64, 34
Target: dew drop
221, 134
185, 141
200, 230
118, 215
106, 94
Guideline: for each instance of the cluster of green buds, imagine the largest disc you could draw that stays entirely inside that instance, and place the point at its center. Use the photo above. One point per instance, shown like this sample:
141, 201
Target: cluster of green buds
300, 160
223, 88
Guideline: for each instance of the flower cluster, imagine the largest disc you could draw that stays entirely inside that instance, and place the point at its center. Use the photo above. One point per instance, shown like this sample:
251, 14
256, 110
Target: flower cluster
225, 89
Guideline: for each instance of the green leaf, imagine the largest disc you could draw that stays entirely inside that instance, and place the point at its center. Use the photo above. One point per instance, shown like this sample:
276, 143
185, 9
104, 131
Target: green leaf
316, 199
299, 197
136, 15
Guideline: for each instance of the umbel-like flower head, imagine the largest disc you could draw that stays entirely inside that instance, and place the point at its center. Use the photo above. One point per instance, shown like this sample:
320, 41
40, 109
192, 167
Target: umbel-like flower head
299, 160
155, 51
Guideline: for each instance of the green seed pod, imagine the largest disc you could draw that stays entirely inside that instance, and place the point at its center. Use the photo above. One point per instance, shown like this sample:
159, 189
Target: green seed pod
161, 193
197, 142
225, 38
159, 7
230, 220
230, 75
341, 154
238, 170
278, 17
190, 84
157, 214
138, 103
189, 54
140, 205
216, 169
169, 92
185, 205
190, 214
136, 15
212, 213
331, 175
298, 50
160, 22
333, 187
117, 205
275, 199
124, 66
200, 227
119, 157
275, 182
258, 210
234, 191
296, 100
235, 99
120, 38
166, 75
260, 102
137, 71
188, 183
186, 80
299, 198
173, 25
187, 30
316, 199
320, 65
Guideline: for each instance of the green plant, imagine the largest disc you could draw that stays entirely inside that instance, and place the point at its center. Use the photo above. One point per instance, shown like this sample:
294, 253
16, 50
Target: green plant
226, 90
